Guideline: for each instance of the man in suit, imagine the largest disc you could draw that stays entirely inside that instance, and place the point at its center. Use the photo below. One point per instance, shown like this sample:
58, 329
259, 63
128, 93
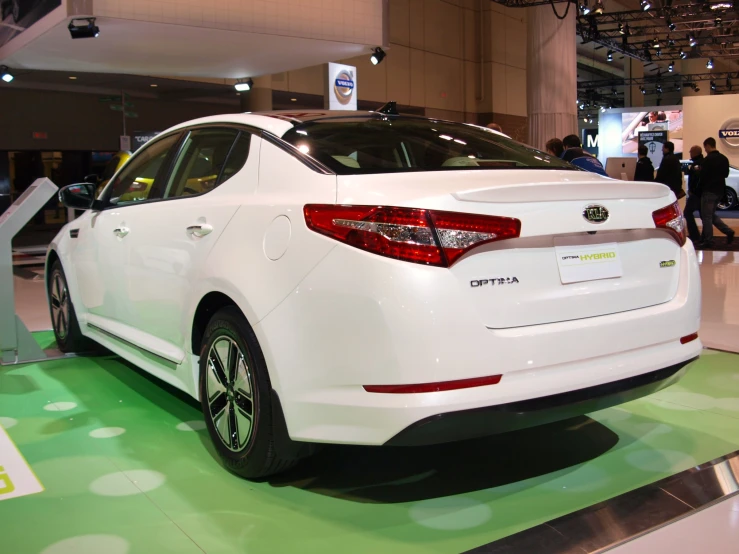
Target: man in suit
670, 171
693, 203
644, 167
714, 171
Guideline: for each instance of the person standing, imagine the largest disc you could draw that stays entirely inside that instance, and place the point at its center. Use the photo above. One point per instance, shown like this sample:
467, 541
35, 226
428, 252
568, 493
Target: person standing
644, 167
555, 147
693, 203
670, 171
714, 171
574, 154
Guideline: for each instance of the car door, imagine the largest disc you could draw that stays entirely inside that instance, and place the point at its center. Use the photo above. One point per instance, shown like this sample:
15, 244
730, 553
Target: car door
169, 240
98, 255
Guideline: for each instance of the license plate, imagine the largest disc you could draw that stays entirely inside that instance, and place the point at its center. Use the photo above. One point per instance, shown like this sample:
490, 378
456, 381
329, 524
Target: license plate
588, 263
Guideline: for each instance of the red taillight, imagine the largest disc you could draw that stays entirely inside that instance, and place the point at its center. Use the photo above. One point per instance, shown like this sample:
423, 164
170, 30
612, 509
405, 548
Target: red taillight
435, 387
689, 338
409, 234
671, 218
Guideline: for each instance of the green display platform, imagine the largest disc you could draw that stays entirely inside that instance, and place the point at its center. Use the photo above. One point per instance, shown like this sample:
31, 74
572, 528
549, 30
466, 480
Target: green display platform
128, 468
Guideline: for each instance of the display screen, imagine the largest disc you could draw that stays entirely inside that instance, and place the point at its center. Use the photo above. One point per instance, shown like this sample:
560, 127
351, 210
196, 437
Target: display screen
619, 130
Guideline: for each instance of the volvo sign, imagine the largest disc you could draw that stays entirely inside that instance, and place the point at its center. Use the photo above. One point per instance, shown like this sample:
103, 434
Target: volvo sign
342, 87
729, 133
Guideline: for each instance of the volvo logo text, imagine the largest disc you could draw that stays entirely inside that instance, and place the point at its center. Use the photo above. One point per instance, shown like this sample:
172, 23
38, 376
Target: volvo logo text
344, 86
595, 214
729, 133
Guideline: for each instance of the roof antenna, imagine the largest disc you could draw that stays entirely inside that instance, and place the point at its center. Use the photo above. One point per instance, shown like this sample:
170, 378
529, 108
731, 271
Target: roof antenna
391, 108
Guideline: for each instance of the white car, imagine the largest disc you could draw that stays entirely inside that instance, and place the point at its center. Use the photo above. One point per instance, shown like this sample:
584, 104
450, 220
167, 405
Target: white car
374, 279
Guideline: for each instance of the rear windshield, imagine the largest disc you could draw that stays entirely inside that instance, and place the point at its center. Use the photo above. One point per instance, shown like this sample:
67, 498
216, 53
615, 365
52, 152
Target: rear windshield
394, 144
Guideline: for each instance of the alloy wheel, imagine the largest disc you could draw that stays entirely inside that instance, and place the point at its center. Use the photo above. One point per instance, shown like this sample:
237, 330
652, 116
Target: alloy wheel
60, 305
230, 389
729, 200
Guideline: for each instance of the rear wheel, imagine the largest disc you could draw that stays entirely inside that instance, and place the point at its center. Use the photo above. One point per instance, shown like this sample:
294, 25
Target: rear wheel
729, 200
235, 393
69, 338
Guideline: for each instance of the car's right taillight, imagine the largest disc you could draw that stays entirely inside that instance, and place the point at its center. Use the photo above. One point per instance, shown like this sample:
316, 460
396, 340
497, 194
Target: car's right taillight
671, 219
414, 235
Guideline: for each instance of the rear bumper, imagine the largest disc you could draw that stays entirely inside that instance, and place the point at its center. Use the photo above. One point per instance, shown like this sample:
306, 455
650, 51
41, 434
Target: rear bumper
469, 424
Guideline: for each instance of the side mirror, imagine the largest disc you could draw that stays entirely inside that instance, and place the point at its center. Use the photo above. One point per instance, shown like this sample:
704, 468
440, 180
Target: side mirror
78, 197
92, 178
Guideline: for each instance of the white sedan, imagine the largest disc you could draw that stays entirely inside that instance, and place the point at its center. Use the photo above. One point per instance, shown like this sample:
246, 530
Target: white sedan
375, 279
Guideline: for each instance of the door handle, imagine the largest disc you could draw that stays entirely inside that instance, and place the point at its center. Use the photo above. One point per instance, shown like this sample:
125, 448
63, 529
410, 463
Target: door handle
121, 232
200, 230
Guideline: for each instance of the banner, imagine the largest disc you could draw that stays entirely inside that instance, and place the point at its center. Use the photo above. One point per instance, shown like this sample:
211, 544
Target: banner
16, 477
653, 140
141, 137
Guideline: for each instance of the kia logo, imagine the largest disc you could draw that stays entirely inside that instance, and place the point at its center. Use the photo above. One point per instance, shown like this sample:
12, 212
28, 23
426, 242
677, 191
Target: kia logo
595, 213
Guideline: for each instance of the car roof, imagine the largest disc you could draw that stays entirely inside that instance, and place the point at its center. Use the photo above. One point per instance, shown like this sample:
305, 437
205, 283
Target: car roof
278, 122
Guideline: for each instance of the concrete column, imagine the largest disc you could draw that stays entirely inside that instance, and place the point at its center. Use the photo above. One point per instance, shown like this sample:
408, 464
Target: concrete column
695, 67
259, 98
633, 69
551, 64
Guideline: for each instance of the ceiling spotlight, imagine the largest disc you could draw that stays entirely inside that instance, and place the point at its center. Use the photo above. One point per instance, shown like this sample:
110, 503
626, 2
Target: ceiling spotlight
659, 89
584, 8
709, 63
243, 85
598, 9
713, 85
722, 6
614, 91
86, 30
683, 55
621, 29
377, 56
5, 74
670, 25
657, 45
609, 56
678, 87
671, 67
646, 5
670, 42
642, 90
603, 109
692, 40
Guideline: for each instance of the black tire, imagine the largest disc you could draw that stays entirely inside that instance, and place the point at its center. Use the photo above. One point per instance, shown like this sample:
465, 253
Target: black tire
69, 338
729, 200
251, 453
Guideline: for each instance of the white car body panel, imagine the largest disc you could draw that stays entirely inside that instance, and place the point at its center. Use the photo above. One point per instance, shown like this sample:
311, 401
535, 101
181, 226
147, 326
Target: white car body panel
331, 318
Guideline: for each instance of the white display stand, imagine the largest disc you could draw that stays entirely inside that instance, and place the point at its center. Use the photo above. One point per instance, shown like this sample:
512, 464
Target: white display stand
17, 345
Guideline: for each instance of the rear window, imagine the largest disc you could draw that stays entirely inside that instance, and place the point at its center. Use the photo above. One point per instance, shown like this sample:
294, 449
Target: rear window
397, 144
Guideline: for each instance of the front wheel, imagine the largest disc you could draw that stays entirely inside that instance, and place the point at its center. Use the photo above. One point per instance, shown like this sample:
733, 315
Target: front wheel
69, 338
235, 393
729, 200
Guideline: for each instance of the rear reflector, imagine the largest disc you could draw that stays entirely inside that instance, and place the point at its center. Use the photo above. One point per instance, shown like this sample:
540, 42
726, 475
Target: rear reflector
671, 218
435, 387
409, 234
689, 338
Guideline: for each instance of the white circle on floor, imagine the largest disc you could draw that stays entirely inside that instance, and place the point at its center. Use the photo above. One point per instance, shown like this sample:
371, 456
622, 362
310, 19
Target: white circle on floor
60, 406
127, 483
191, 426
107, 432
8, 422
660, 461
89, 544
450, 513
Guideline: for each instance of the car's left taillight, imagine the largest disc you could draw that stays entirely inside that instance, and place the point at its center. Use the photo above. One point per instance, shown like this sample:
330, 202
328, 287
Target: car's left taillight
414, 235
671, 218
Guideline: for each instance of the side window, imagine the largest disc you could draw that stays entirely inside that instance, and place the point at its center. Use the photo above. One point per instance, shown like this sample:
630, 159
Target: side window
136, 182
201, 162
237, 157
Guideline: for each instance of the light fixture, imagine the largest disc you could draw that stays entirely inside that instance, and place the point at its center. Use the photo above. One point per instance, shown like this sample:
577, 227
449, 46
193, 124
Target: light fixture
683, 55
657, 45
614, 91
646, 5
5, 74
693, 42
722, 6
709, 63
584, 8
670, 25
678, 87
602, 109
153, 85
670, 42
86, 30
243, 85
671, 67
72, 78
659, 89
643, 90
598, 9
609, 56
377, 56
713, 85
621, 29
293, 99
718, 21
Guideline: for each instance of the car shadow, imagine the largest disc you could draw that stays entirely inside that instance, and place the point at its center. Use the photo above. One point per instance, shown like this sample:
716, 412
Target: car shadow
379, 474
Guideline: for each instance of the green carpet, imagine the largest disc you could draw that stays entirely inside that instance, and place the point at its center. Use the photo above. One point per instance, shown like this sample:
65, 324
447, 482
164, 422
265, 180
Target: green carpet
128, 468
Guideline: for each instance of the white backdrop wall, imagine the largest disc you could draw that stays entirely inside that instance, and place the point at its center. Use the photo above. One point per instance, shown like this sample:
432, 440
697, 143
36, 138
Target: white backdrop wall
705, 116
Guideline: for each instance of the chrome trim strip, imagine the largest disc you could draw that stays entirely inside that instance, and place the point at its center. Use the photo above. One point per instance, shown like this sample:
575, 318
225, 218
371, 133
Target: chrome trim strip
132, 345
624, 518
